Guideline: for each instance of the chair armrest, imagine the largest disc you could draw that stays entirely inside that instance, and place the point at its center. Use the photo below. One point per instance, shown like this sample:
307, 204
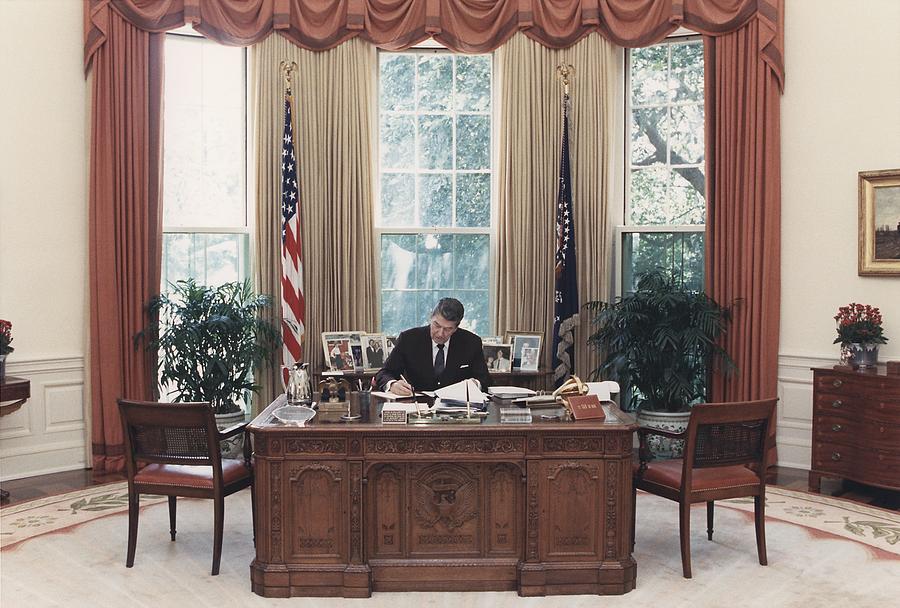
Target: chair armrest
644, 431
644, 453
231, 431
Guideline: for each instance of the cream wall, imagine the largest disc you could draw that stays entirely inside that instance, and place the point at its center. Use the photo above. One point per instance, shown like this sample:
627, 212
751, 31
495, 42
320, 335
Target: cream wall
840, 114
43, 231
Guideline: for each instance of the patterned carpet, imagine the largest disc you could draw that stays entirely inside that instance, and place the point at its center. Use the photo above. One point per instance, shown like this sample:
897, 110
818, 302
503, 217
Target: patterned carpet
69, 550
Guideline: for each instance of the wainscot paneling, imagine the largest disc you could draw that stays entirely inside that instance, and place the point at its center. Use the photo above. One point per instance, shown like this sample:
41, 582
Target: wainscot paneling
49, 433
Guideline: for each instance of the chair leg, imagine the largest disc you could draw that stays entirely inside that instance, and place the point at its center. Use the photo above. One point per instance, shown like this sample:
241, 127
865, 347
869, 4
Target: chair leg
133, 512
172, 517
217, 532
710, 515
759, 512
684, 531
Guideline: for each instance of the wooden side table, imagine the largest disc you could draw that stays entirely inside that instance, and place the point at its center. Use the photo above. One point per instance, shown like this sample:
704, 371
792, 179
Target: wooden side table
14, 392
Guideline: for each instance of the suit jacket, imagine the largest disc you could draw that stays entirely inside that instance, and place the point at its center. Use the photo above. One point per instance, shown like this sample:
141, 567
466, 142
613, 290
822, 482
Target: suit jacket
412, 358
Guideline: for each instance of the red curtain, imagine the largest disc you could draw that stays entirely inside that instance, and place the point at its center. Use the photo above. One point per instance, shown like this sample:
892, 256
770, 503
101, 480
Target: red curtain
467, 26
743, 244
125, 224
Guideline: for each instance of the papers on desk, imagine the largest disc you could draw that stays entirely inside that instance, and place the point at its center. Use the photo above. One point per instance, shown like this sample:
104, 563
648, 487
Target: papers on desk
461, 393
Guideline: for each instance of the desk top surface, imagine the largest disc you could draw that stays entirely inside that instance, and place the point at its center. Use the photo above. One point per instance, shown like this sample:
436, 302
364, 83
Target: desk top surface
369, 410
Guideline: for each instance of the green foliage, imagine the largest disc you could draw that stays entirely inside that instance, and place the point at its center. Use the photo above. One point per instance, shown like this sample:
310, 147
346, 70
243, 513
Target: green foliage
660, 342
209, 340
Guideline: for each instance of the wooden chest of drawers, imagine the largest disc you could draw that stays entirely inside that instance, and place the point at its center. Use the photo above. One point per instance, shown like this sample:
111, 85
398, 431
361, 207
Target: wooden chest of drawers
856, 428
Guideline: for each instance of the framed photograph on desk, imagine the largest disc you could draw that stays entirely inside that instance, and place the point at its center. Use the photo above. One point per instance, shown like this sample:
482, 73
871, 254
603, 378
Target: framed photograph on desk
497, 357
526, 350
338, 351
374, 351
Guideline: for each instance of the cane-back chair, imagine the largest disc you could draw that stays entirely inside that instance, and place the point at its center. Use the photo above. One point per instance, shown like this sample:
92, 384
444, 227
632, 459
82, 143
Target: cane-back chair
724, 457
179, 445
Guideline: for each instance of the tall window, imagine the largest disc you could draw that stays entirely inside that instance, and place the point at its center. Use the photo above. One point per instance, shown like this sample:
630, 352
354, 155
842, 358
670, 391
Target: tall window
205, 231
433, 219
666, 203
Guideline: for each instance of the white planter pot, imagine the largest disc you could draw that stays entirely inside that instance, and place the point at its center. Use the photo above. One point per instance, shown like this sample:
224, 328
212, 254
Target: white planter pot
663, 447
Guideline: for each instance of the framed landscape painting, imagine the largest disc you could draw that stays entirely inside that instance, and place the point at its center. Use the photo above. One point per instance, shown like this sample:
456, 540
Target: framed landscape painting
879, 222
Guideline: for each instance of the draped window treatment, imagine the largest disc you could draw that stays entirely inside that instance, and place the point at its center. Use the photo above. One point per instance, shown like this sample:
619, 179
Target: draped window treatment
744, 197
530, 136
125, 226
334, 114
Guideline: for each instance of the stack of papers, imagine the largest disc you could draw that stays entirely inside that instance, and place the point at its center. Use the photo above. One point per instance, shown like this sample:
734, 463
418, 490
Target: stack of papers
510, 392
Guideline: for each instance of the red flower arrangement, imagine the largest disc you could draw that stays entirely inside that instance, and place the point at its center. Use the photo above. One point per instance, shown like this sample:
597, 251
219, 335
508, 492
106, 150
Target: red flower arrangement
5, 337
859, 323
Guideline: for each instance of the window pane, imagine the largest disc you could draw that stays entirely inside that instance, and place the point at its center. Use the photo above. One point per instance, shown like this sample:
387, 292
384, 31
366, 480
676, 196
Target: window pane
686, 80
398, 311
398, 199
473, 199
211, 259
204, 140
398, 82
435, 142
436, 192
473, 83
435, 82
398, 261
472, 265
649, 75
649, 135
667, 196
680, 253
687, 135
434, 264
398, 141
473, 141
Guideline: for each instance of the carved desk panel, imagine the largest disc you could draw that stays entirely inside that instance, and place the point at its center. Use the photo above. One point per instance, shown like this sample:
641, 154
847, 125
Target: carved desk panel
344, 509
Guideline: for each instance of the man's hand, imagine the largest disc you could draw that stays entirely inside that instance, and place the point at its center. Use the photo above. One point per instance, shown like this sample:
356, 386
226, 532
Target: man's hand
402, 388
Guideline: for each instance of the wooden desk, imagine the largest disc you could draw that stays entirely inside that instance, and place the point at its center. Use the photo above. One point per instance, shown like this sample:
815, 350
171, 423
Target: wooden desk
344, 509
14, 392
540, 380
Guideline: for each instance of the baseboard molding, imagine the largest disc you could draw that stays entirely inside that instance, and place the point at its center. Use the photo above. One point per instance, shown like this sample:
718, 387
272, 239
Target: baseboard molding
50, 432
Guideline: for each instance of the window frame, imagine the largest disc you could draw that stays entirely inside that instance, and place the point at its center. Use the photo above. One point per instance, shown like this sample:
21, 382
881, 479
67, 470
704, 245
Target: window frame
431, 46
628, 227
244, 262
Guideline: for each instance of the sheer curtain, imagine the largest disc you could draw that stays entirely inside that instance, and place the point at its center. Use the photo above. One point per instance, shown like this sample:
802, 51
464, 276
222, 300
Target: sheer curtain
334, 114
530, 136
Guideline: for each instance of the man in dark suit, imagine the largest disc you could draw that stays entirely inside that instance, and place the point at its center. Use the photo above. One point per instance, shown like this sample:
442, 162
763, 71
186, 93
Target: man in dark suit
436, 355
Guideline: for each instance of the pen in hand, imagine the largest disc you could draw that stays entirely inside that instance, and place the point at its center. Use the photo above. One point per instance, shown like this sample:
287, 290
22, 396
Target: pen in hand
409, 386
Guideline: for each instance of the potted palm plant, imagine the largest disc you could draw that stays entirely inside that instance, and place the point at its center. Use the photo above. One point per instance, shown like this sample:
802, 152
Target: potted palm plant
209, 340
661, 344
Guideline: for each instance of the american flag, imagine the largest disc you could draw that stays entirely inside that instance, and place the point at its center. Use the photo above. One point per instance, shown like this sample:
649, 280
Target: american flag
565, 309
293, 304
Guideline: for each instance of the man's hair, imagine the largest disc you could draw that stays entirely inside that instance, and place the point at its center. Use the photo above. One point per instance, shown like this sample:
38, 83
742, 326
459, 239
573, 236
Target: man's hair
449, 308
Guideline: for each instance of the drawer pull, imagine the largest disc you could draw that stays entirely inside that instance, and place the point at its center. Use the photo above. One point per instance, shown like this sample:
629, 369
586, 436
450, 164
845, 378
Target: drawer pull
836, 428
837, 403
835, 455
837, 382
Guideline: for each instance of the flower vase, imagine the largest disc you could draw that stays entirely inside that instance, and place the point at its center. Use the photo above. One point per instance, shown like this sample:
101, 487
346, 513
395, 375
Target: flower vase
864, 356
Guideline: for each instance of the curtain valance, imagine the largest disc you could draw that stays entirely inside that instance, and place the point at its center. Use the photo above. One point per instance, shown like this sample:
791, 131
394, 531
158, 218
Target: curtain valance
470, 26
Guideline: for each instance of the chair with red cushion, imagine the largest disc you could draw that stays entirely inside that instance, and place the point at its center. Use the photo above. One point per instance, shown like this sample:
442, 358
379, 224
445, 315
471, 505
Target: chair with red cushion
179, 444
724, 457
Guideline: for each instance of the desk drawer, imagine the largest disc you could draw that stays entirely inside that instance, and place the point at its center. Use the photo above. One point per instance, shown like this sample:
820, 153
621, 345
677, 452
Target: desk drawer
855, 431
866, 465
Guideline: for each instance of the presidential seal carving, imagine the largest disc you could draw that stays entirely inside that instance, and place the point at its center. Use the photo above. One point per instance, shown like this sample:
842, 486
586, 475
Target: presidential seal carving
445, 494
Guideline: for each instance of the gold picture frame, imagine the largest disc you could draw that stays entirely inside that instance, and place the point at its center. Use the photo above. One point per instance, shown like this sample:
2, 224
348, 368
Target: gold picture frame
879, 223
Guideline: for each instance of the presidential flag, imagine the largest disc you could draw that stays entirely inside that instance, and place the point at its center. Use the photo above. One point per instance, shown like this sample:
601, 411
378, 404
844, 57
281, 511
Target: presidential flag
565, 317
293, 304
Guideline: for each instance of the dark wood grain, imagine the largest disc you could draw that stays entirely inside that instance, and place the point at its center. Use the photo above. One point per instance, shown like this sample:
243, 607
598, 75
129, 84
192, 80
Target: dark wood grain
347, 509
856, 428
